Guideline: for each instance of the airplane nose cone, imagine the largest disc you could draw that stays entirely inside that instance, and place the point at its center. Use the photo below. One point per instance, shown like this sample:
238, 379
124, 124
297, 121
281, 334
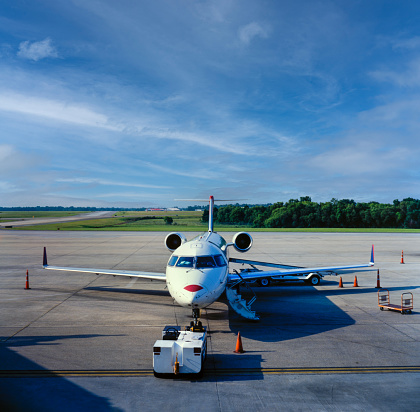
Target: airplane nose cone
193, 295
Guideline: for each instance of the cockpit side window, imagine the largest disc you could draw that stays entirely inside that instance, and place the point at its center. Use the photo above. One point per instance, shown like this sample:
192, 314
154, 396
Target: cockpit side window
172, 260
205, 262
185, 262
219, 260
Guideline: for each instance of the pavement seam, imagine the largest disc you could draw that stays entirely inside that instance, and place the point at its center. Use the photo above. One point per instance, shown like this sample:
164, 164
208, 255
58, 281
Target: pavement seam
127, 257
210, 345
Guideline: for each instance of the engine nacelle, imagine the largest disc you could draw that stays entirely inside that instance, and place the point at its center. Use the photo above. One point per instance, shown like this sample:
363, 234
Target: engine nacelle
242, 241
174, 240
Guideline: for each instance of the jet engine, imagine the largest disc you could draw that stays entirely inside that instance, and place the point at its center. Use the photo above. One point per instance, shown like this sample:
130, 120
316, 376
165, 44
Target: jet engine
242, 241
174, 240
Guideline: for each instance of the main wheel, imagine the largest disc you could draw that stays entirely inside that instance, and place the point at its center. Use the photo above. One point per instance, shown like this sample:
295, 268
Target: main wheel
314, 280
264, 282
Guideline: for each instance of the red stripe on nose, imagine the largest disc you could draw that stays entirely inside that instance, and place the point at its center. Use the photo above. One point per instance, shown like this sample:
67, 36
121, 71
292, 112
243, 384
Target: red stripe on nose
193, 288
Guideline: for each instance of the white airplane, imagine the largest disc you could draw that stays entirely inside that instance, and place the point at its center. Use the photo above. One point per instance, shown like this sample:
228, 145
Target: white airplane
197, 272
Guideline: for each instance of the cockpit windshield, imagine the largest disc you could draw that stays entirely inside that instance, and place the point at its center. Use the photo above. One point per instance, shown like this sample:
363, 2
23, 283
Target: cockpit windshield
198, 262
205, 262
172, 260
185, 262
219, 260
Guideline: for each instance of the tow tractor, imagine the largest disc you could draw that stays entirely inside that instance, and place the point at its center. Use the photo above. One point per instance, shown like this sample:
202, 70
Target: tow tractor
180, 352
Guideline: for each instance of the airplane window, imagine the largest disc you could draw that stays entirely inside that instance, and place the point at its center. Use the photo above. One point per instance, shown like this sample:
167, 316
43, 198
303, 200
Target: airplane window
205, 262
172, 260
185, 262
219, 260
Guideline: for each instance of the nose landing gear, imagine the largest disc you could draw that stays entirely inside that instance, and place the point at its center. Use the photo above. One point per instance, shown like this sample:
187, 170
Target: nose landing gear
196, 325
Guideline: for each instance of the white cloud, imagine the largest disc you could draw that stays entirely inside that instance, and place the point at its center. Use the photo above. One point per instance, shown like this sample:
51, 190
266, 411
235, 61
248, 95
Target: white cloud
250, 31
7, 187
411, 43
407, 77
133, 196
359, 160
197, 173
244, 138
12, 161
37, 50
54, 110
105, 182
5, 152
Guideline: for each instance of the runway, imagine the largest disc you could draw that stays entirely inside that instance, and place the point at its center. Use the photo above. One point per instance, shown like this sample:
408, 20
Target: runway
85, 341
9, 223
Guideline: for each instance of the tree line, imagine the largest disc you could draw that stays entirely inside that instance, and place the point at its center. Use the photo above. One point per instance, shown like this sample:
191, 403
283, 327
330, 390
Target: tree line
303, 213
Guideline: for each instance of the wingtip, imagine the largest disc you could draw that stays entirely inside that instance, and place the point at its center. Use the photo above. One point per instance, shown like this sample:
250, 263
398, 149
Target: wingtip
44, 261
372, 256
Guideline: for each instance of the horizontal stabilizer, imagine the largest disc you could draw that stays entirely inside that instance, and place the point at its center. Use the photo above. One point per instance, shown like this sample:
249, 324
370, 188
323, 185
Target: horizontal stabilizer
257, 263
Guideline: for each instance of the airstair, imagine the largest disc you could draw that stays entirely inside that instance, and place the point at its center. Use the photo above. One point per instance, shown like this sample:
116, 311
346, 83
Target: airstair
239, 305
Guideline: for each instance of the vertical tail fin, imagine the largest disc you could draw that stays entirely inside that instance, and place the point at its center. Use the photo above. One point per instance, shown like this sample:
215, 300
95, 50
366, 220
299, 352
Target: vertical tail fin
211, 206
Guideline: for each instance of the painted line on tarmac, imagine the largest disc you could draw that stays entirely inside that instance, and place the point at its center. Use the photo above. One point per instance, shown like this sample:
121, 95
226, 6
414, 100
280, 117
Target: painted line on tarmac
214, 372
316, 371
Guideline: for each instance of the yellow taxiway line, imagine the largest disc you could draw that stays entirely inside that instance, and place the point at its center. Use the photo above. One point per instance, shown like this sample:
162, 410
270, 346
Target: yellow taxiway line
209, 372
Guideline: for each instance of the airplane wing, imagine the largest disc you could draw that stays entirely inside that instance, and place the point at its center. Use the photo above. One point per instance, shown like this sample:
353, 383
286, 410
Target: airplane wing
138, 274
253, 275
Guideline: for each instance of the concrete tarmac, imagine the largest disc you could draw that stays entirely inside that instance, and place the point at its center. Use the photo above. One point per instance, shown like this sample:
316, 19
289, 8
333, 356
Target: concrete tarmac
84, 342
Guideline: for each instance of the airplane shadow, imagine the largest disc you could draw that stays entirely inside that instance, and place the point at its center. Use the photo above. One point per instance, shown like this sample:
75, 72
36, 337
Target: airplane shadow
289, 313
294, 311
215, 371
113, 294
35, 394
130, 291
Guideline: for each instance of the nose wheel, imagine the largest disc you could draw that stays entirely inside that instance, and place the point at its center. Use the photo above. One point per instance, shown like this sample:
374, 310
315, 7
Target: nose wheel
196, 325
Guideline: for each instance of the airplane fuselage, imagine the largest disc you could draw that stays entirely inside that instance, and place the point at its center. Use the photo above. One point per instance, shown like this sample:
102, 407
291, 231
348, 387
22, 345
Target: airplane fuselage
197, 271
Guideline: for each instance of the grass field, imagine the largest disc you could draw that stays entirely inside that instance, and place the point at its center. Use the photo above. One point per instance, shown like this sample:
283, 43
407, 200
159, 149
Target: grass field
183, 221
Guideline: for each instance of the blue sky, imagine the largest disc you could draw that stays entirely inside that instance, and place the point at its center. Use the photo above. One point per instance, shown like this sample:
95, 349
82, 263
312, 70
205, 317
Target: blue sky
137, 103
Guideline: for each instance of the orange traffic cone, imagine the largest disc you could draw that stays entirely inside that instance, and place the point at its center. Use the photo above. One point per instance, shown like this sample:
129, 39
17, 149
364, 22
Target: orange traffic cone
27, 281
239, 348
355, 285
402, 256
340, 283
378, 281
176, 365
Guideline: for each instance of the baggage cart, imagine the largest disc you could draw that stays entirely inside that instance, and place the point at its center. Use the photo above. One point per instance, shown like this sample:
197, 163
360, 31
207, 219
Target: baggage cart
385, 303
